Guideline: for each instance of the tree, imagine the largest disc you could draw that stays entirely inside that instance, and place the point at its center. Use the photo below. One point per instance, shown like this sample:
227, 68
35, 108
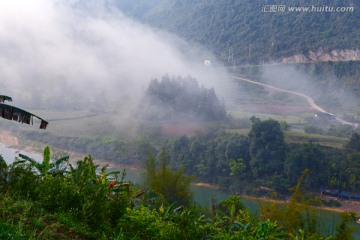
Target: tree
17, 114
345, 227
308, 156
354, 143
352, 171
181, 99
3, 172
297, 215
179, 152
267, 147
285, 126
237, 168
173, 187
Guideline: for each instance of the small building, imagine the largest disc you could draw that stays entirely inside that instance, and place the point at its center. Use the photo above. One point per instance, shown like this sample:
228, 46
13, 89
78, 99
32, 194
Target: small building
207, 63
325, 116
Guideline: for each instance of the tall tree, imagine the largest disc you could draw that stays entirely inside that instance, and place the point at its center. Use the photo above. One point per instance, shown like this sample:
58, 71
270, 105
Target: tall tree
354, 143
173, 187
352, 171
267, 147
308, 156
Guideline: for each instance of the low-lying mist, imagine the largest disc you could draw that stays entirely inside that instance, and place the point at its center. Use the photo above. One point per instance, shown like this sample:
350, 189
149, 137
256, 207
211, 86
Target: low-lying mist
316, 80
69, 54
87, 55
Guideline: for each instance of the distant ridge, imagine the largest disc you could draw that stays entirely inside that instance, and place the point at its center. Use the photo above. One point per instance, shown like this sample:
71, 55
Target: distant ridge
248, 30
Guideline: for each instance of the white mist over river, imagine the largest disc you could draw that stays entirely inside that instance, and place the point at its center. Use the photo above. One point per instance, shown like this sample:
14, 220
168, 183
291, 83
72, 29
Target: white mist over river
9, 154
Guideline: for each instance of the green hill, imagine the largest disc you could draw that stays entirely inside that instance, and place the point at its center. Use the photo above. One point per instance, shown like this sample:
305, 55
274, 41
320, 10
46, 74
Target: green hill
247, 29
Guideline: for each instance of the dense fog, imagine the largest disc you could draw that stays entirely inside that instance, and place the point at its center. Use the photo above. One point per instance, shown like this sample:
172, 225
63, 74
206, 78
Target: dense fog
87, 55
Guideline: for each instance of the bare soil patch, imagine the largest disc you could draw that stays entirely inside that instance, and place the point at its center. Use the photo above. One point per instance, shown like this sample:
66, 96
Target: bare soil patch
176, 130
277, 109
206, 185
8, 139
346, 205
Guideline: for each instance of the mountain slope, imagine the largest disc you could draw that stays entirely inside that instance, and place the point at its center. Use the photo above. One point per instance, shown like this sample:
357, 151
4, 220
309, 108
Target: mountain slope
247, 29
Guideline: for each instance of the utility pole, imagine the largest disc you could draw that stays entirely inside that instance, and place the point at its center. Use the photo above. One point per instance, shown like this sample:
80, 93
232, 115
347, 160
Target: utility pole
231, 57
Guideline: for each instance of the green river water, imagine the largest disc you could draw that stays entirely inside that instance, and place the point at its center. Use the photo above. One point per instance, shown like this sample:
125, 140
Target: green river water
327, 220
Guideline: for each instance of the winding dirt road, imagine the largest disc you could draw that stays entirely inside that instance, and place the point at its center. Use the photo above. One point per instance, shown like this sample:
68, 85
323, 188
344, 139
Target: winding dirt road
306, 97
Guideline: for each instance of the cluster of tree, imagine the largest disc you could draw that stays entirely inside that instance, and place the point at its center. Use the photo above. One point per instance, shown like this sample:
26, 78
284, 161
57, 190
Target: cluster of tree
262, 159
179, 98
58, 200
248, 29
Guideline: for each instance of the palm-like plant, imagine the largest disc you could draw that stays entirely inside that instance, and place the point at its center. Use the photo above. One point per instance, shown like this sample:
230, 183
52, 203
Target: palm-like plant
5, 98
46, 167
13, 113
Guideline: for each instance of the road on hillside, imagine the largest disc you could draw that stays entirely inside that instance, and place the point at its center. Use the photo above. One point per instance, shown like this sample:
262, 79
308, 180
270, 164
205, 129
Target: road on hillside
306, 97
72, 118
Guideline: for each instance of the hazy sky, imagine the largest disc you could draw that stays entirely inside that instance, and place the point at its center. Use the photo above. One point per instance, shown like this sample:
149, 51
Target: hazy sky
68, 51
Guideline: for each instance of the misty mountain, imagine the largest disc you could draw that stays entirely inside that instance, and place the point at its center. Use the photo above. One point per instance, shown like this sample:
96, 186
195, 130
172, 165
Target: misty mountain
60, 54
248, 30
245, 31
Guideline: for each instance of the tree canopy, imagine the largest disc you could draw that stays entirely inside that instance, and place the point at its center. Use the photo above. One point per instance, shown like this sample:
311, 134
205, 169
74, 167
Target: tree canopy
267, 147
180, 98
244, 28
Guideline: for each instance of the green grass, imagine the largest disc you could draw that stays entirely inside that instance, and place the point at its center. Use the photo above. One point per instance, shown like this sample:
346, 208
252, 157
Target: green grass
291, 119
12, 232
239, 131
298, 136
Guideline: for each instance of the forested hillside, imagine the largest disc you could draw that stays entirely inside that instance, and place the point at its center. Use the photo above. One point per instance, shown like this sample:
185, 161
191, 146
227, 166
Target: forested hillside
247, 30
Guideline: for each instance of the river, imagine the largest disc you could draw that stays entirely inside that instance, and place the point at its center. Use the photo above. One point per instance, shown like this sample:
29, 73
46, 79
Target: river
9, 154
202, 195
327, 220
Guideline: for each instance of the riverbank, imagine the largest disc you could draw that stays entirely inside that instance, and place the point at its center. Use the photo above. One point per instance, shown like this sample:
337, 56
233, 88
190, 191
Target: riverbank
11, 141
206, 185
8, 139
346, 205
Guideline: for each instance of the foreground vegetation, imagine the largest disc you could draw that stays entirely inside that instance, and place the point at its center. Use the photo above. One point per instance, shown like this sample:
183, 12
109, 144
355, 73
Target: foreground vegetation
56, 200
